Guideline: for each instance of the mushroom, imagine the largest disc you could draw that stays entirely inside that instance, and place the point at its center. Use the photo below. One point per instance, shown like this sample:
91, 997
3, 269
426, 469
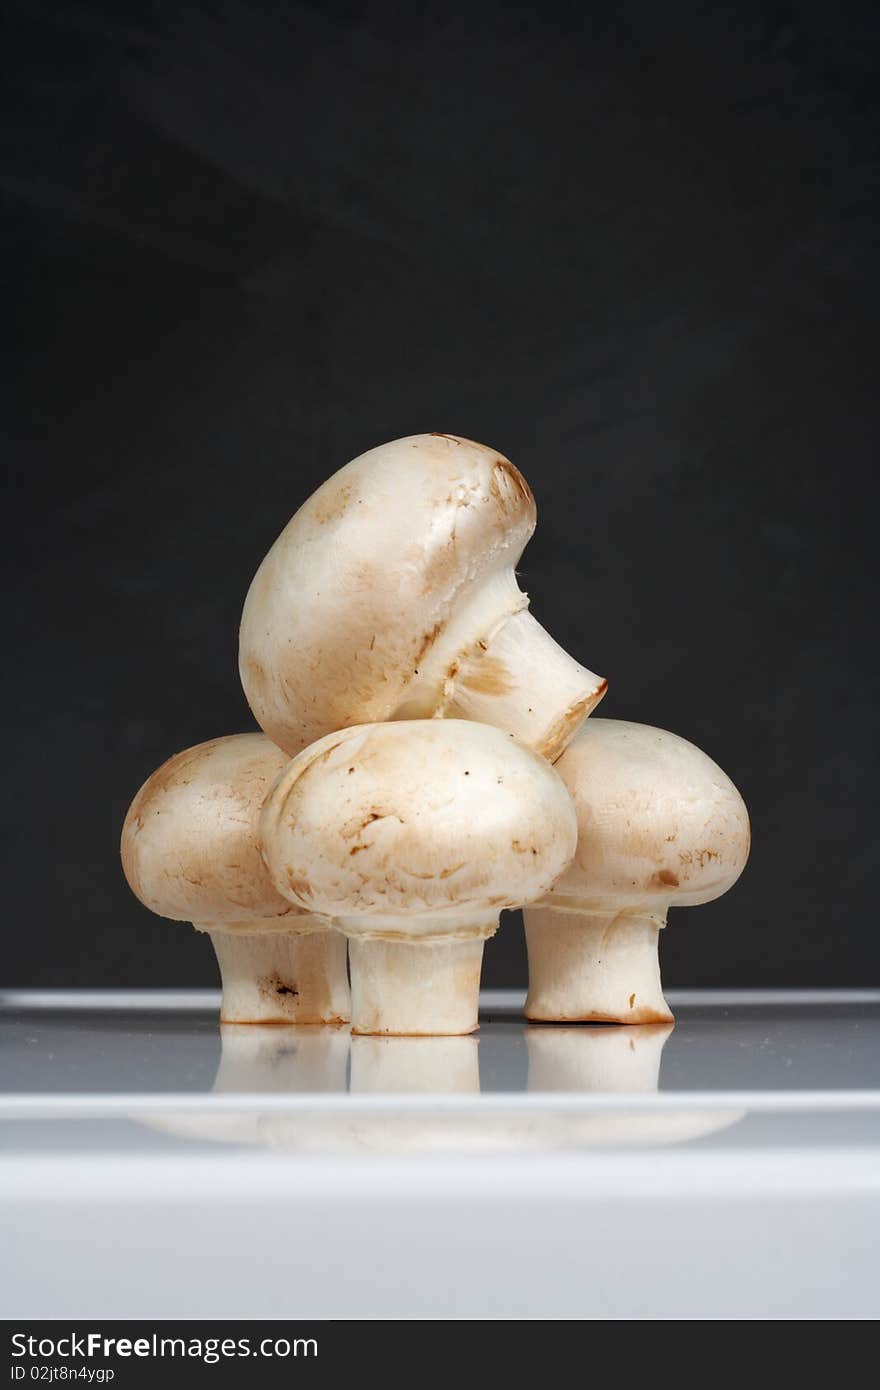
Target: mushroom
412, 837
659, 826
190, 852
391, 594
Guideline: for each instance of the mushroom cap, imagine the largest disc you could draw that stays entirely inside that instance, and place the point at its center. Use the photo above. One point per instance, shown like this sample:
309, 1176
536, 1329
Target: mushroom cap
189, 842
659, 823
368, 576
424, 824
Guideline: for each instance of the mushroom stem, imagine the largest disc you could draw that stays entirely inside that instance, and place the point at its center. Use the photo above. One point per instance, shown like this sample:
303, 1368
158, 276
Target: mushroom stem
281, 977
519, 679
408, 988
601, 967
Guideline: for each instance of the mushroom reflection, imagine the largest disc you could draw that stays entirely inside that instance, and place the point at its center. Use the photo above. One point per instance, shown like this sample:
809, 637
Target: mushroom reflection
304, 1060
294, 1060
407, 1066
393, 1081
596, 1059
615, 1061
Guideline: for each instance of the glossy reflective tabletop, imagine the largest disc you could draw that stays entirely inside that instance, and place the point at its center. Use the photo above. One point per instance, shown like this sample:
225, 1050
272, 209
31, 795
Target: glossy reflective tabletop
738, 1150
119, 1047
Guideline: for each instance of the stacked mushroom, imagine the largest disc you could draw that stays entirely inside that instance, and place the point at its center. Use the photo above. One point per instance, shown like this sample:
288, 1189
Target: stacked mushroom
401, 793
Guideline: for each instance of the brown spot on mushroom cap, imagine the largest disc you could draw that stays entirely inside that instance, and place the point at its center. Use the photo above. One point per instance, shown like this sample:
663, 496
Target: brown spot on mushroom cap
665, 878
428, 640
699, 857
331, 500
510, 487
176, 771
256, 676
299, 885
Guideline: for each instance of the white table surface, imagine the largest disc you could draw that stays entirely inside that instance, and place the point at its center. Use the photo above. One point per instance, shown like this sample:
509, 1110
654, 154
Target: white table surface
151, 1167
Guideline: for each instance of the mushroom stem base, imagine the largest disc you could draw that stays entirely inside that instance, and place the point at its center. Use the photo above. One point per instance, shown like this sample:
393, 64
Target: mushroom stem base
522, 681
594, 967
272, 978
403, 989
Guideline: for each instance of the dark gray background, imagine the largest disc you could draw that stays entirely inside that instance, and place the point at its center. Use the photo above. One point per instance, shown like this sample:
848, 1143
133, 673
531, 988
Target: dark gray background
631, 246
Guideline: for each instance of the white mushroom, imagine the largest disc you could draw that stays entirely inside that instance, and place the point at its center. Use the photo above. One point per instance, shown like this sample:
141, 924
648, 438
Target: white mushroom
412, 837
659, 826
190, 852
391, 594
